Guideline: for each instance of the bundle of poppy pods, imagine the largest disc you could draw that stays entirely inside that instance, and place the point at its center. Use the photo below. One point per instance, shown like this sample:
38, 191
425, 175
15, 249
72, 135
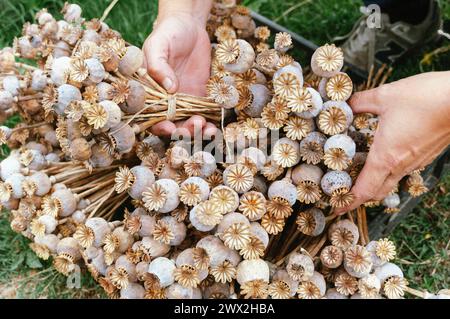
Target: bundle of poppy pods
88, 183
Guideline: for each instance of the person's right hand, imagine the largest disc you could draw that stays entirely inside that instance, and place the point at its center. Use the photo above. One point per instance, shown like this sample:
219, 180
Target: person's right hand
177, 54
413, 129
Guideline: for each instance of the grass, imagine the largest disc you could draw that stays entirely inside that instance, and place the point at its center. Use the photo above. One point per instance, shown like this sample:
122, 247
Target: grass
422, 239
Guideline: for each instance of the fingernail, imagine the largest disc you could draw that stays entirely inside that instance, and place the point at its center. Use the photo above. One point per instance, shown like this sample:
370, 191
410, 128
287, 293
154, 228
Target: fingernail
167, 83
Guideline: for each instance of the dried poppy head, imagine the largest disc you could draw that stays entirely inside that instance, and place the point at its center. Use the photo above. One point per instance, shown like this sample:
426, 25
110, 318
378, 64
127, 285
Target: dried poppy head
339, 152
338, 87
327, 60
335, 117
343, 234
283, 42
286, 152
297, 128
311, 222
357, 261
300, 267
238, 177
331, 256
253, 205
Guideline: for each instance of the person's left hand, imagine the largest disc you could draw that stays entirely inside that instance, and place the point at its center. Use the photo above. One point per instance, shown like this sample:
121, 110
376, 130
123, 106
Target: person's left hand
177, 54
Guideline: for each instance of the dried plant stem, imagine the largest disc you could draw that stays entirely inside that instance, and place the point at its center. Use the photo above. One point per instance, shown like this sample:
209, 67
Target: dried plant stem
105, 197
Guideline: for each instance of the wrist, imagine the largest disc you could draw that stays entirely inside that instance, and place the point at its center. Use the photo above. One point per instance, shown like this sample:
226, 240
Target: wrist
196, 10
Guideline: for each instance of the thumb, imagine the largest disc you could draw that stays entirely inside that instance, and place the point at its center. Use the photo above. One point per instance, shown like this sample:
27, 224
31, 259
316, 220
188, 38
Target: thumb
365, 102
156, 60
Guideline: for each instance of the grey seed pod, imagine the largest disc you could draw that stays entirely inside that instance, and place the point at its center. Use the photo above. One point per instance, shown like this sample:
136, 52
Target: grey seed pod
343, 142
294, 69
72, 12
114, 113
100, 228
284, 189
300, 267
100, 157
37, 146
178, 230
60, 68
196, 222
217, 290
254, 269
282, 275
123, 263
136, 99
67, 200
229, 220
259, 232
172, 192
141, 269
147, 224
49, 222
69, 245
307, 172
346, 225
332, 293
154, 248
9, 166
15, 181
156, 143
261, 96
66, 94
131, 61
143, 177
334, 180
132, 291
62, 49
52, 158
319, 281
177, 291
388, 270
214, 247
391, 201
245, 59
104, 91
256, 155
11, 84
124, 136
38, 161
79, 216
48, 240
186, 257
316, 105
96, 72
6, 100
38, 80
201, 183
163, 268
371, 248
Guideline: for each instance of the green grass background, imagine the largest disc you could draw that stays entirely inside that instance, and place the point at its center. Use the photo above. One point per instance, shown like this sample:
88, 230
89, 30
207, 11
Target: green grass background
422, 239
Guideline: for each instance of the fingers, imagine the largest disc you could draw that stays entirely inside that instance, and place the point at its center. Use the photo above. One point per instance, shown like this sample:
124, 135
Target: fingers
156, 52
369, 181
366, 102
209, 130
164, 128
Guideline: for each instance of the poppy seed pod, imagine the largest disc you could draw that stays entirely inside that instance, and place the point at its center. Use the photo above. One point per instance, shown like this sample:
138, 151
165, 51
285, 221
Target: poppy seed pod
250, 270
143, 177
9, 166
338, 87
79, 216
339, 151
217, 291
177, 230
177, 291
260, 97
311, 222
372, 248
124, 137
163, 268
327, 60
72, 12
97, 229
66, 94
60, 68
49, 223
335, 117
357, 261
315, 287
14, 182
283, 276
343, 234
136, 98
119, 240
96, 72
131, 61
201, 164
311, 148
67, 200
69, 246
194, 190
6, 100
11, 84
38, 80
386, 271
306, 172
52, 158
48, 240
91, 36
132, 291
61, 49
238, 177
154, 248
177, 155
229, 220
123, 263
300, 267
335, 180
331, 256
283, 189
114, 114
104, 91
288, 79
332, 293
162, 196
257, 157
391, 202
25, 48
215, 249
260, 233
80, 150
243, 56
197, 221
188, 258
286, 152
100, 157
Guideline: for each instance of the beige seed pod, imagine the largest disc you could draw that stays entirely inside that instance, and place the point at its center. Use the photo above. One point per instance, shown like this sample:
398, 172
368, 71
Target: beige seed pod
311, 222
124, 137
343, 234
177, 291
194, 190
131, 61
162, 196
335, 117
132, 291
80, 149
154, 248
118, 240
250, 270
283, 189
100, 157
307, 178
357, 261
339, 151
327, 60
331, 256
236, 55
314, 288
286, 152
238, 177
104, 91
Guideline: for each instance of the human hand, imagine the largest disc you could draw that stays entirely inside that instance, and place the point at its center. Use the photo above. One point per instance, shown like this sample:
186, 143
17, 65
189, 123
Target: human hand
413, 129
177, 54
